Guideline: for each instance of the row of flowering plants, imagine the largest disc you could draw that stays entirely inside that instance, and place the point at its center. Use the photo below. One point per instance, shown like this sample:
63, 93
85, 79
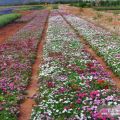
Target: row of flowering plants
73, 85
105, 43
16, 58
27, 18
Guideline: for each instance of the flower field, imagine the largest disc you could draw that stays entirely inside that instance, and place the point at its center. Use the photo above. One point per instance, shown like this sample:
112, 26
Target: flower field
28, 17
16, 58
105, 43
49, 72
73, 85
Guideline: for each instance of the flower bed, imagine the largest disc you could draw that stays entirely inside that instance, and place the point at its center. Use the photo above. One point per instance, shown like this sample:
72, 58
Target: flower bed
16, 58
73, 85
27, 18
102, 41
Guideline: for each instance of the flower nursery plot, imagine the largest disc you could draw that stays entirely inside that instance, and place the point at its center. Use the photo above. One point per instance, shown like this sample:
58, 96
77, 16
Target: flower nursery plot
72, 84
105, 43
16, 58
48, 73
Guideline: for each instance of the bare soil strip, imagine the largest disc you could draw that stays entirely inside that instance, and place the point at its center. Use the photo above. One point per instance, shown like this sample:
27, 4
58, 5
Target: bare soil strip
115, 79
9, 30
27, 105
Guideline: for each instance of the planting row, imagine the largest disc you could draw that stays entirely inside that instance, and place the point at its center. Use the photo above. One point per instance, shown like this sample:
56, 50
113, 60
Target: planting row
102, 41
27, 18
16, 58
72, 84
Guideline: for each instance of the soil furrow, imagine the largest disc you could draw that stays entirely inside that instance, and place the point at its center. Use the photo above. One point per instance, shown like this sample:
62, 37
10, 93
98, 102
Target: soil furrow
9, 30
27, 105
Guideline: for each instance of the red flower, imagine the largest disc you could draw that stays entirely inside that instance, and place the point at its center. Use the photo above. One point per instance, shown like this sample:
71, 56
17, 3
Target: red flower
100, 81
90, 65
51, 84
106, 87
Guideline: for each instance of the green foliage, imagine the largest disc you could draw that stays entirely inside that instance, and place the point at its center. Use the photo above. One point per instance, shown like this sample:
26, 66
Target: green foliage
81, 4
5, 19
107, 8
109, 3
6, 115
38, 7
105, 5
25, 8
55, 6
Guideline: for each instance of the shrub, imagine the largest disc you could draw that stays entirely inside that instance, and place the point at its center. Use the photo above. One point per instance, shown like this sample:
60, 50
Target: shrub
55, 6
5, 19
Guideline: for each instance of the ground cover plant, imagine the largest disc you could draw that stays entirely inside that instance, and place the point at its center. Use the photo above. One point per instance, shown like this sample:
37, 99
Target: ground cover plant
8, 18
72, 84
105, 43
16, 58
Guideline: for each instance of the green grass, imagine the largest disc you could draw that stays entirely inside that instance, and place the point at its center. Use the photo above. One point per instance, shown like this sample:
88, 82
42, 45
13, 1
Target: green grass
81, 4
55, 6
107, 8
8, 18
30, 7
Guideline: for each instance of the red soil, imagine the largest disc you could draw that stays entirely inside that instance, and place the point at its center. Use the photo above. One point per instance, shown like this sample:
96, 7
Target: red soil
25, 12
26, 107
9, 30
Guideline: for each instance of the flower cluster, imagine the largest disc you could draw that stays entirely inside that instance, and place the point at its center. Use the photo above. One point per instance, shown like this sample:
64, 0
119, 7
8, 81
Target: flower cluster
105, 43
16, 58
73, 85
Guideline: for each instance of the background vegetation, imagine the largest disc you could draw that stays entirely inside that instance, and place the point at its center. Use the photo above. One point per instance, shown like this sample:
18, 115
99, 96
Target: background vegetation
8, 18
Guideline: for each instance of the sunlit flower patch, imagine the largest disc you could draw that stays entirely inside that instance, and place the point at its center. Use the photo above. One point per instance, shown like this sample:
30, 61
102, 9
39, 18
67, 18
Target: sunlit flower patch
16, 58
106, 44
27, 18
73, 85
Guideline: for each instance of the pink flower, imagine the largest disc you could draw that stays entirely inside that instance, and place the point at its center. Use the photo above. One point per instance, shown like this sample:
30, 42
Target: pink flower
81, 95
62, 90
78, 101
11, 85
93, 94
103, 114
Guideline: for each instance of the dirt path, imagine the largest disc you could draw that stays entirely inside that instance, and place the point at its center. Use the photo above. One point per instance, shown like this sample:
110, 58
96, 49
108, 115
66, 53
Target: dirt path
94, 54
26, 107
9, 30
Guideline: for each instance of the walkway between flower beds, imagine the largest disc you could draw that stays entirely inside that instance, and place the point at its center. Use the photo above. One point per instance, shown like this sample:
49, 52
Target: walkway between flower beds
26, 106
87, 46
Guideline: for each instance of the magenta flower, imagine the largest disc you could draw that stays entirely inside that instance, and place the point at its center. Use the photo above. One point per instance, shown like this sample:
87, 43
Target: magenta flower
51, 84
93, 94
11, 85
